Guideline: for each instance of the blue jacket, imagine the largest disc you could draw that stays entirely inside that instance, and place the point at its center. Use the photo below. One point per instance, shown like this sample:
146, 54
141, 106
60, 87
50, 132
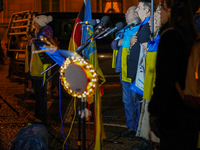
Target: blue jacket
121, 57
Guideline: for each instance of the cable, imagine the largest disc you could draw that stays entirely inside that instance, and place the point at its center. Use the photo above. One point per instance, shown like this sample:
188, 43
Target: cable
73, 35
71, 124
61, 113
88, 133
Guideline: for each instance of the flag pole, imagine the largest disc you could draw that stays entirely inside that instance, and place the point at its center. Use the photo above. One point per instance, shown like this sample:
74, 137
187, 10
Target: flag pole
152, 20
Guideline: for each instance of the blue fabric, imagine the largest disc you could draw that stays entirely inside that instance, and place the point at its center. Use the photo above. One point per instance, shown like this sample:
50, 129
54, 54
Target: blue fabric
128, 34
88, 32
118, 58
153, 45
145, 21
47, 28
197, 21
32, 137
132, 111
125, 35
60, 55
135, 89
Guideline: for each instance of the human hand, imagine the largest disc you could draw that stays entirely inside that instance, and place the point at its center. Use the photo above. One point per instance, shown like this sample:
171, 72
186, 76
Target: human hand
120, 42
133, 40
31, 41
145, 47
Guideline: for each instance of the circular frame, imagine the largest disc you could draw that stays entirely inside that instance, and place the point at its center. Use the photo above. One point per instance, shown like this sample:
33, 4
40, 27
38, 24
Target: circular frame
88, 72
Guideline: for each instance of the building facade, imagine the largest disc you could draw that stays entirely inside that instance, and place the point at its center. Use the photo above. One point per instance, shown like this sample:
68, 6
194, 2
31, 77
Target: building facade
13, 6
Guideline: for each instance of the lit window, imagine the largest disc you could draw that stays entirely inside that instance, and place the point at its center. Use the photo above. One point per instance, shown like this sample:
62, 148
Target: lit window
112, 6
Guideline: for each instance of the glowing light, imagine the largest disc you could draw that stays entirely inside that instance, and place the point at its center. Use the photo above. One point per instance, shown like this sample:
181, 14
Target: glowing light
88, 69
112, 5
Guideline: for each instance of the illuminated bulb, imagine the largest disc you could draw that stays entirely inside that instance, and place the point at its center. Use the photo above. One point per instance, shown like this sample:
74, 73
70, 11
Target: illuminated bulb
94, 74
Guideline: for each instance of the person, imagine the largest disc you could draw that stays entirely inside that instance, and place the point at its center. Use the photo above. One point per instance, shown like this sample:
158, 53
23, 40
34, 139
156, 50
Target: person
141, 37
37, 67
144, 127
170, 118
10, 54
122, 44
2, 55
195, 6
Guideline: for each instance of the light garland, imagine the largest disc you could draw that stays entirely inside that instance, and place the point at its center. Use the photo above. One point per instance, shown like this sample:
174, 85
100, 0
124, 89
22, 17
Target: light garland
88, 73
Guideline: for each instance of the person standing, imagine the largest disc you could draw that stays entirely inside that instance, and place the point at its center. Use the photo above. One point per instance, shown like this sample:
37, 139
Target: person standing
170, 118
122, 44
37, 67
144, 130
141, 37
10, 54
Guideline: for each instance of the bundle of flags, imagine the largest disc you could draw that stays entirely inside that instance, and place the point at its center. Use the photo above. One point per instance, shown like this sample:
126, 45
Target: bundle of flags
79, 36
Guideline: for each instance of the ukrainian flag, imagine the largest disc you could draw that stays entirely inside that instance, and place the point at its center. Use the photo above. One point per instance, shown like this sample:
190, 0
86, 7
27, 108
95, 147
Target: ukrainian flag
90, 53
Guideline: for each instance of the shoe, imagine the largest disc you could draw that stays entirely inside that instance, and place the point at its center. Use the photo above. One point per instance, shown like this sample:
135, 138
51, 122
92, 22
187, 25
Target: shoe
127, 133
132, 137
143, 145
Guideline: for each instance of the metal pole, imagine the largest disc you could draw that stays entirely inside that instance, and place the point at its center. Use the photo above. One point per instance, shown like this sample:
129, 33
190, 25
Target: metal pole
83, 102
152, 20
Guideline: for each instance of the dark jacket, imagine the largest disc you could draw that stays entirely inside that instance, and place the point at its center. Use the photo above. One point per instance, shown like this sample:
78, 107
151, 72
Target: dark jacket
143, 36
173, 114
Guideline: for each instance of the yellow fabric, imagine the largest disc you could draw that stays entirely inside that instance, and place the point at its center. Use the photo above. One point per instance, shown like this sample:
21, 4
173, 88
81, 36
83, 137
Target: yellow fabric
100, 133
27, 62
45, 66
150, 75
37, 66
114, 58
125, 53
72, 45
94, 61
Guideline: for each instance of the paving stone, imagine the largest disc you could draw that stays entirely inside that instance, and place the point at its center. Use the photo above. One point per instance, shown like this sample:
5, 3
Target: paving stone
16, 108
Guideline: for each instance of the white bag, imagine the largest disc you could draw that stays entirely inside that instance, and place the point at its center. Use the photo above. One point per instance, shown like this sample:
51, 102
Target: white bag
139, 80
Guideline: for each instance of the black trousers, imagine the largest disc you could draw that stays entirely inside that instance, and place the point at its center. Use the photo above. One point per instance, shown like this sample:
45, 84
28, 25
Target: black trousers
41, 100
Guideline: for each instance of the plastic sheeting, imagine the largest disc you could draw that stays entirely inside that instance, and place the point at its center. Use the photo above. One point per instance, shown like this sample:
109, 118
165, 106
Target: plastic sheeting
32, 137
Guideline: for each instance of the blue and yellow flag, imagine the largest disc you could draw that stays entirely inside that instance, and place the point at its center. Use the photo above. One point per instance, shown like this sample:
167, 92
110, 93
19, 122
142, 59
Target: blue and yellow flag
91, 50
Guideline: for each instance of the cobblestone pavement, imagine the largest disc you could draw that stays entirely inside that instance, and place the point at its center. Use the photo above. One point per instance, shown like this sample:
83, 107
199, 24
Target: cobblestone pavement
16, 109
